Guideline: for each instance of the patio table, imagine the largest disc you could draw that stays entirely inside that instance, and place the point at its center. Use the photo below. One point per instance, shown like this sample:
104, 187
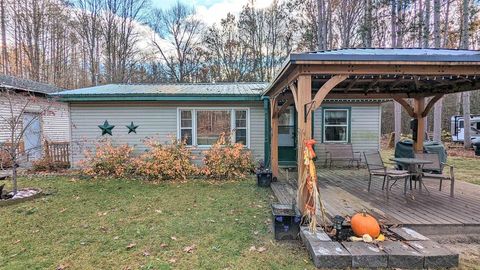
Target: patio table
414, 166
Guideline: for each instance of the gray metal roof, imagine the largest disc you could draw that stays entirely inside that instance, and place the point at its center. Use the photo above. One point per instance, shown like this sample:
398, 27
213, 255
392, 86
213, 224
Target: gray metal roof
180, 89
15, 83
389, 54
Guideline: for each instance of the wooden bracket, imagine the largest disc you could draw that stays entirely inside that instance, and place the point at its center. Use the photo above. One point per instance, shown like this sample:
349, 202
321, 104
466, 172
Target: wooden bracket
326, 88
430, 104
406, 106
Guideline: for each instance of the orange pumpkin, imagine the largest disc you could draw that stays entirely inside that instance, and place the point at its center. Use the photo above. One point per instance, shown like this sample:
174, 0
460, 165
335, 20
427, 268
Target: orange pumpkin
363, 223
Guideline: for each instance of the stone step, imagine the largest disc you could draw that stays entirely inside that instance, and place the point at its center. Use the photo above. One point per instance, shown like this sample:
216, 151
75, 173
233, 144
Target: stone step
366, 255
435, 255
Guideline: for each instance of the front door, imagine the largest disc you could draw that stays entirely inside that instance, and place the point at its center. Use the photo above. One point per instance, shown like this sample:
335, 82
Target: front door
287, 150
32, 137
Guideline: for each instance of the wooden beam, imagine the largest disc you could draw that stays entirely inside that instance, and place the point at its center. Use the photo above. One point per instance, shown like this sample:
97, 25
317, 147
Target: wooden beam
406, 106
326, 88
419, 105
350, 85
284, 107
430, 104
274, 137
293, 88
304, 133
391, 69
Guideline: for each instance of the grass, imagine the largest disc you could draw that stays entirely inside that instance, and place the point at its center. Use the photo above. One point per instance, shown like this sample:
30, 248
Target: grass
125, 224
466, 169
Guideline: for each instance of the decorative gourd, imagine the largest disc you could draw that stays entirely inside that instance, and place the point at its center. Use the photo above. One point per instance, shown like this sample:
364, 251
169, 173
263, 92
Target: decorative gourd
363, 223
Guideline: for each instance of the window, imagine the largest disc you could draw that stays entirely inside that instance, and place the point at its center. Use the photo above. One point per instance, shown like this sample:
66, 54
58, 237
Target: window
336, 125
204, 126
286, 128
186, 126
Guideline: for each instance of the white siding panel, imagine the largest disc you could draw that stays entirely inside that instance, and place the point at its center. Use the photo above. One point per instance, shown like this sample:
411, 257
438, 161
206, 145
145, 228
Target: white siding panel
365, 128
155, 120
55, 120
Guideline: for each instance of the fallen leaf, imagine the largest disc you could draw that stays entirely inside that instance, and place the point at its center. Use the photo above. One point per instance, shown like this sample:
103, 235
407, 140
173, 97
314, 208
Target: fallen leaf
190, 249
146, 253
252, 248
115, 238
173, 238
131, 245
61, 267
255, 232
158, 211
261, 249
163, 245
16, 242
172, 260
63, 210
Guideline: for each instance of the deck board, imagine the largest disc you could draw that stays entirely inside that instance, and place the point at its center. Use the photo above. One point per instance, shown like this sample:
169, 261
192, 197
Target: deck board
344, 192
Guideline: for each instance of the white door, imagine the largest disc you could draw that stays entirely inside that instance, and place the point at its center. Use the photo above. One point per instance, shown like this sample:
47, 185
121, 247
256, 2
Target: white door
32, 138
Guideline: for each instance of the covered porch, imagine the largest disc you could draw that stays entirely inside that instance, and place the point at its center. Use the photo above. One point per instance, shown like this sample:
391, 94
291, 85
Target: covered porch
422, 75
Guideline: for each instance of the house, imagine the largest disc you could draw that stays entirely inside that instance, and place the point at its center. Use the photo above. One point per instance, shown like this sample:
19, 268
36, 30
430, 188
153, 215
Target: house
47, 119
200, 112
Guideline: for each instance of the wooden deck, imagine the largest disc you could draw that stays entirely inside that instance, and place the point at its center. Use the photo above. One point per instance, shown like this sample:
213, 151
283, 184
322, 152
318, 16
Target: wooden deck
344, 192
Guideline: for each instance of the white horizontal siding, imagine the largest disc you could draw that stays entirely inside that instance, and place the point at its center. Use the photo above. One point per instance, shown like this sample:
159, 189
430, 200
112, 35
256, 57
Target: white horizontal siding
55, 122
157, 120
365, 128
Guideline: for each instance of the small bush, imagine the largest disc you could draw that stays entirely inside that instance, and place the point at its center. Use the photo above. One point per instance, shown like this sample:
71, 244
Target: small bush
5, 159
226, 160
46, 164
167, 162
108, 160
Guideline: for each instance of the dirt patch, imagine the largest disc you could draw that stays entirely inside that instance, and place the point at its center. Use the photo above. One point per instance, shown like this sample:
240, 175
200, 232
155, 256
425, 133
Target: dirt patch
468, 246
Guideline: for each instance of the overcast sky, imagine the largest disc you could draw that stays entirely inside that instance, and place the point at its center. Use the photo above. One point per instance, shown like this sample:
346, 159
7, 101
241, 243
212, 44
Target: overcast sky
212, 11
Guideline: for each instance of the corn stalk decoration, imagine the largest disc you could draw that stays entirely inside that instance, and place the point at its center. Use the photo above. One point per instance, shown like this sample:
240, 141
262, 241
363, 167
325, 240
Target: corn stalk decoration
309, 183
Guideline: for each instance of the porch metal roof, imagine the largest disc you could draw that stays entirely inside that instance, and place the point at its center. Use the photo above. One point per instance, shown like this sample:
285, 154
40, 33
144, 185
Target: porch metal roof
389, 54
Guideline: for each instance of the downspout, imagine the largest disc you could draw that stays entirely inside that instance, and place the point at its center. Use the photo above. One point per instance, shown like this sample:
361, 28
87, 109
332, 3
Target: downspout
266, 155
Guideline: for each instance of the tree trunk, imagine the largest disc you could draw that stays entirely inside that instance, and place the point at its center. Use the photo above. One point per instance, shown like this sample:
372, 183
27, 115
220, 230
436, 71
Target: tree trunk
398, 120
467, 140
426, 31
437, 114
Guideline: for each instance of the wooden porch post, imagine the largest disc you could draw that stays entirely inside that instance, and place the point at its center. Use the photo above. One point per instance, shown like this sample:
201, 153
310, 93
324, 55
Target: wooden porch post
304, 97
419, 107
274, 137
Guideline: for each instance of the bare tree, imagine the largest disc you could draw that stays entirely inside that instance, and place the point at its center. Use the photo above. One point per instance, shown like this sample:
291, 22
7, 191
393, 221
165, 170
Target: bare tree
467, 140
437, 116
182, 31
88, 18
15, 124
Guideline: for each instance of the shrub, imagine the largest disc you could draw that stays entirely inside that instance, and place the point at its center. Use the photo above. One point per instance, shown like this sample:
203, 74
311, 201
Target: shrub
108, 160
168, 162
5, 159
46, 164
227, 160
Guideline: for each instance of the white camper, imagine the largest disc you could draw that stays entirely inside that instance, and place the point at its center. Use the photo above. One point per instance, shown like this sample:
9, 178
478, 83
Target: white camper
457, 128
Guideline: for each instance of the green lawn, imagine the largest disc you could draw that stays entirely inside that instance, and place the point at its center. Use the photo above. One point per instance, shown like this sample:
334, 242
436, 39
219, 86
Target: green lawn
122, 224
466, 169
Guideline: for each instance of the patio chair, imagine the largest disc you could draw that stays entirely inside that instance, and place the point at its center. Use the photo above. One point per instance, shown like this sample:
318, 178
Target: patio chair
435, 170
376, 167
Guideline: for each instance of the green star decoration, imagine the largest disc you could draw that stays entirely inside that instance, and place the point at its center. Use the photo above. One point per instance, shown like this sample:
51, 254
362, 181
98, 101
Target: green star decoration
132, 128
106, 128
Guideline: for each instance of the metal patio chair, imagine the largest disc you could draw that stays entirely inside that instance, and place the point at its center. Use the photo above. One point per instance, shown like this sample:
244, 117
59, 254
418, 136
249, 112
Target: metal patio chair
376, 167
435, 170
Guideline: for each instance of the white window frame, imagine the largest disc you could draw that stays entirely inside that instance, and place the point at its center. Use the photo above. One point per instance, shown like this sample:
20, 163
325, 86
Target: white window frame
330, 125
194, 111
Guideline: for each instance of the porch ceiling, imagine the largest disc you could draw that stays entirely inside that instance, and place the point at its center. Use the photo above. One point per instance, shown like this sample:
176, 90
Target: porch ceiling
384, 73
